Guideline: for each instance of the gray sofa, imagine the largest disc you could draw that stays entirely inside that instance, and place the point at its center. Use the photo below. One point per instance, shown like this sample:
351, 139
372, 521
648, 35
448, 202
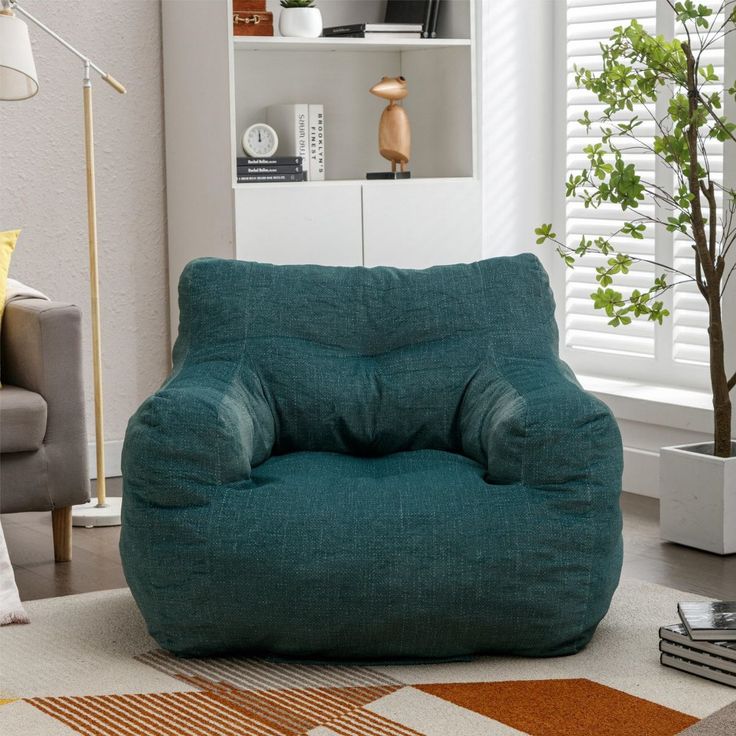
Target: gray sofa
43, 440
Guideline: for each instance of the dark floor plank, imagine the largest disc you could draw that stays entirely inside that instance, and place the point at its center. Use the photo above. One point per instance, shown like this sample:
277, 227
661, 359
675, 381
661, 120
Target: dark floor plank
96, 562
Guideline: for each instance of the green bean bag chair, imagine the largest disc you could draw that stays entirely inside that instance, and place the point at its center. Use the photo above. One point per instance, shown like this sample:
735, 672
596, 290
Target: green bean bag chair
371, 464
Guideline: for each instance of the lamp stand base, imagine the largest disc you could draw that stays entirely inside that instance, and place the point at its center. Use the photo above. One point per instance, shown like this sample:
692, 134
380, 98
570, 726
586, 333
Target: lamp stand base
90, 515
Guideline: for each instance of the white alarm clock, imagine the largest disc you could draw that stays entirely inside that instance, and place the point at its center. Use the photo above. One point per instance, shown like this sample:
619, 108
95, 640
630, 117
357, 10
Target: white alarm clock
260, 141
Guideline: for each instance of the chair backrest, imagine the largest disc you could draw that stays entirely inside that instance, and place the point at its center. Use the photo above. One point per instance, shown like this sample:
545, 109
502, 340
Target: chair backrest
365, 361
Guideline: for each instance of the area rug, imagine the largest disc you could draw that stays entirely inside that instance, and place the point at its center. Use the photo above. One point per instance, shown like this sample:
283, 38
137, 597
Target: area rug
86, 665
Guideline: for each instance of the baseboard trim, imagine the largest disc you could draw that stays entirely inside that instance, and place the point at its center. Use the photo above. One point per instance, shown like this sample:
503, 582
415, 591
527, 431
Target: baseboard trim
113, 451
641, 472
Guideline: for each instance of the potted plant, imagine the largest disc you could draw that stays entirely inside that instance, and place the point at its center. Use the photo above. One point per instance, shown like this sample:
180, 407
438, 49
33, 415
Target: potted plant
300, 19
697, 482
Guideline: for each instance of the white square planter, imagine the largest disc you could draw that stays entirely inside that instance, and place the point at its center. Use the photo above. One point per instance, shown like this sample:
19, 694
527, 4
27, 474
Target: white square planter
697, 498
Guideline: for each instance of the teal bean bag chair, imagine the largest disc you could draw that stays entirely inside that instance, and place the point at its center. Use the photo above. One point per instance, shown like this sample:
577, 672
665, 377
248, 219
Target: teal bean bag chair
371, 464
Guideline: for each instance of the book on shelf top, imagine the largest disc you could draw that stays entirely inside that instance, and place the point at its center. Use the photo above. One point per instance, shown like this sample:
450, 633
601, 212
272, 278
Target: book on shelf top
709, 620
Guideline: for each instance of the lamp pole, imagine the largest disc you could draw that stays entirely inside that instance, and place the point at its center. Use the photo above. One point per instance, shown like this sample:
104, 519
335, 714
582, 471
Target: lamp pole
102, 514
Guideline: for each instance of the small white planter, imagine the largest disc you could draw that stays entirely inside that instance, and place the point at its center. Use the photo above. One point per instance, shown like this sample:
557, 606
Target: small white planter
300, 22
697, 498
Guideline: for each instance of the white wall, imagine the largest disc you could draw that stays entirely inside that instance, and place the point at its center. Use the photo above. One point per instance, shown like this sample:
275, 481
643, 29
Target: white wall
42, 189
517, 115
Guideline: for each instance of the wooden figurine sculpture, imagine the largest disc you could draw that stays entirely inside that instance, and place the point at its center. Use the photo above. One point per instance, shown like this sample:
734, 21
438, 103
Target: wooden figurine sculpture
394, 133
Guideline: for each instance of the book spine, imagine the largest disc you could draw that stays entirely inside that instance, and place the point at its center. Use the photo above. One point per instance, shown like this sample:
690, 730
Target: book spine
247, 178
693, 655
269, 169
701, 670
276, 161
316, 143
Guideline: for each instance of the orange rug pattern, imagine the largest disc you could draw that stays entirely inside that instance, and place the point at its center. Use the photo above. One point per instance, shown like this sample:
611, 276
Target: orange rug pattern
564, 707
247, 697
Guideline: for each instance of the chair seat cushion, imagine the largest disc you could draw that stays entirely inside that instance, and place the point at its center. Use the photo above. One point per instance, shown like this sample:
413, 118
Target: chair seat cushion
410, 555
22, 420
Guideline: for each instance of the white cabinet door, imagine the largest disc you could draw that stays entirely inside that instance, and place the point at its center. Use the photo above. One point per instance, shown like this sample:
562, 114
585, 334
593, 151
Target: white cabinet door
300, 223
421, 223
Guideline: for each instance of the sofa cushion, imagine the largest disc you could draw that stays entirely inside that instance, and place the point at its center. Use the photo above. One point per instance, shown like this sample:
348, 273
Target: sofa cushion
327, 555
22, 419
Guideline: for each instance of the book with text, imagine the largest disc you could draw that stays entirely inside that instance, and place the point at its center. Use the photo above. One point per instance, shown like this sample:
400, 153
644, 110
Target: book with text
316, 142
258, 178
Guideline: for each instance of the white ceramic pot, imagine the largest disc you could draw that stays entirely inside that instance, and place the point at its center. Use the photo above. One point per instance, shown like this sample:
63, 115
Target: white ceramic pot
300, 22
697, 505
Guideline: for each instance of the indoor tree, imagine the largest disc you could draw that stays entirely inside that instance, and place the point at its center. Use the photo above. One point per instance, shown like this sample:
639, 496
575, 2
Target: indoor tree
638, 68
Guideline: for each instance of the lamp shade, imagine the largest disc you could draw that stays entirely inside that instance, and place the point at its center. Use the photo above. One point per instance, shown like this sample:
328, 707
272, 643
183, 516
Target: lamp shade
18, 79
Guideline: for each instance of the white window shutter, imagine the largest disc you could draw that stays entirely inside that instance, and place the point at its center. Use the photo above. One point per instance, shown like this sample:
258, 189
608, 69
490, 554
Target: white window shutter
586, 330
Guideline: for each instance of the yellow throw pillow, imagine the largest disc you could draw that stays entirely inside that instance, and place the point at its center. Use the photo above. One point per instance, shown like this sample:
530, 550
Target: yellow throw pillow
8, 240
7, 245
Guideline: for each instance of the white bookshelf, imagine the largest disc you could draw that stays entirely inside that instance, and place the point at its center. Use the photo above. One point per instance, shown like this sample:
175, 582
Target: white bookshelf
216, 85
271, 43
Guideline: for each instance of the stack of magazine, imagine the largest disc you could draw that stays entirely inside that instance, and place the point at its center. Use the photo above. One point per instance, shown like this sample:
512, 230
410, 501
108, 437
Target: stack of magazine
704, 644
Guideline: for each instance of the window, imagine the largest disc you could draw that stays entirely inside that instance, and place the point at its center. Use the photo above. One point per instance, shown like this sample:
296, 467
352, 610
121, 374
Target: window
678, 350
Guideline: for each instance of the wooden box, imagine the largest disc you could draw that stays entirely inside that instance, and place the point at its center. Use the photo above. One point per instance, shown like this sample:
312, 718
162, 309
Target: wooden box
252, 23
248, 6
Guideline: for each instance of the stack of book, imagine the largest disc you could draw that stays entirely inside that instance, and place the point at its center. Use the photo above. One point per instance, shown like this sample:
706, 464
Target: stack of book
375, 31
704, 644
278, 168
403, 19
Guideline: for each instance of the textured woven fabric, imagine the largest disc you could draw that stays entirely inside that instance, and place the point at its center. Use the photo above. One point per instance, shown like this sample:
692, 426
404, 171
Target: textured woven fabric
371, 463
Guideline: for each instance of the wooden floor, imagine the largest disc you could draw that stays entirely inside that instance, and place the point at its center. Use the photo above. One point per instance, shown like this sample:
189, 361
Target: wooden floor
96, 563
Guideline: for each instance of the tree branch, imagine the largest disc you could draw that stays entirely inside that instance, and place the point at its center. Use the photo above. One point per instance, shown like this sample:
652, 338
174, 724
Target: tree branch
692, 142
732, 382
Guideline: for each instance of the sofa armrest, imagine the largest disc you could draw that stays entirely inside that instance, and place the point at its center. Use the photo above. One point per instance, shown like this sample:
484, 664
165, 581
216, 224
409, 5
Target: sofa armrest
204, 429
529, 421
42, 352
36, 335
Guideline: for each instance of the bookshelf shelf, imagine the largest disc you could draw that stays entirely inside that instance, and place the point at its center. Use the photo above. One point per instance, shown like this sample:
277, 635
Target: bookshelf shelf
416, 181
278, 43
216, 85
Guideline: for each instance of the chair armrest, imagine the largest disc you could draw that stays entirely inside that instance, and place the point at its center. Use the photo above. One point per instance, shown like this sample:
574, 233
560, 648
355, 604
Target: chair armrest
529, 421
204, 429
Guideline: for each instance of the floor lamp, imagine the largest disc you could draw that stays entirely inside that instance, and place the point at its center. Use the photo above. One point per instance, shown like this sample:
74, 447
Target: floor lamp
18, 81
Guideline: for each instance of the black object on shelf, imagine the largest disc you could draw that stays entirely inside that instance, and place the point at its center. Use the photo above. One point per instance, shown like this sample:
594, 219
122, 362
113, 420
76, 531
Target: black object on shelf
425, 12
435, 18
388, 175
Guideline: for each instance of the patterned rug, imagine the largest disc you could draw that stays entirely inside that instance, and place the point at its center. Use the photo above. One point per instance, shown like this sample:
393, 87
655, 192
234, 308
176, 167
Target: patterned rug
85, 665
